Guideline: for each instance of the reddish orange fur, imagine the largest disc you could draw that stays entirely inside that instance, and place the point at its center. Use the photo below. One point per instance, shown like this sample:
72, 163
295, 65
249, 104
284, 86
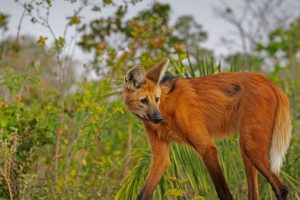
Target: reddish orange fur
198, 109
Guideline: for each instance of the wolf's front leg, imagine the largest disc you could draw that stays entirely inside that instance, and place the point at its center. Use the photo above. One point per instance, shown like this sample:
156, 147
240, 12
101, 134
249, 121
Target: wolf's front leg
160, 162
202, 142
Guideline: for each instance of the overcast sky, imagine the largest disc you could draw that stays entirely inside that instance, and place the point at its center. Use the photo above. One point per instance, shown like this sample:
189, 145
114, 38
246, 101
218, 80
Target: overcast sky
202, 10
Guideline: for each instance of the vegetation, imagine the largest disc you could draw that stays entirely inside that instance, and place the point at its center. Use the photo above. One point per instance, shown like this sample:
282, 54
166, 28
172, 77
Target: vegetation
65, 135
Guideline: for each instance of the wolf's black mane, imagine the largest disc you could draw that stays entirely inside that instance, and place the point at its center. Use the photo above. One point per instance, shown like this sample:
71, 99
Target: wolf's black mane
167, 78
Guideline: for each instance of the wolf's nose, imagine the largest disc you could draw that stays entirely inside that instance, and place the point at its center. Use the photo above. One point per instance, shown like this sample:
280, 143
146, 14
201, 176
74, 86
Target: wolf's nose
157, 118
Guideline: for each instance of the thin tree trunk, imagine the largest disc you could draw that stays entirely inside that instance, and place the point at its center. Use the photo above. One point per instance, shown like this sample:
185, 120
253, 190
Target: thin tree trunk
57, 155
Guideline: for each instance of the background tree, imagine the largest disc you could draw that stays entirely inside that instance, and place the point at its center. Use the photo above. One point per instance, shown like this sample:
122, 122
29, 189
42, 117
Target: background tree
252, 21
3, 22
282, 52
145, 38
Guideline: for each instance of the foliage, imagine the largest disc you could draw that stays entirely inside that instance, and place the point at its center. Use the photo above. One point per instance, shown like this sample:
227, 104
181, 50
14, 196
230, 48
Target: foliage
240, 60
285, 40
70, 135
144, 38
3, 21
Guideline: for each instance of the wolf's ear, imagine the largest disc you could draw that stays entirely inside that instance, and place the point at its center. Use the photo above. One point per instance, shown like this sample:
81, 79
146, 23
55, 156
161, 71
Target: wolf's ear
156, 73
135, 77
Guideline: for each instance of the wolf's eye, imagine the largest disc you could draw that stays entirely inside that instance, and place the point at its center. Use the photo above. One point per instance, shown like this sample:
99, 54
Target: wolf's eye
144, 101
156, 99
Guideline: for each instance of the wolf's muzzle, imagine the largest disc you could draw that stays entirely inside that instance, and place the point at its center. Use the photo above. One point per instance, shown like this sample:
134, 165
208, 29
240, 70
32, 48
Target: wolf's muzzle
156, 118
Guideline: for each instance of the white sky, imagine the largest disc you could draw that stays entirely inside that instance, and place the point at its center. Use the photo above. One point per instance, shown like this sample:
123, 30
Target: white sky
202, 10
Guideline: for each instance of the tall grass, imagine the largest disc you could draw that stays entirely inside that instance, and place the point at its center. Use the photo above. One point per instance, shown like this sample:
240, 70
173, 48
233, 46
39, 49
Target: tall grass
187, 178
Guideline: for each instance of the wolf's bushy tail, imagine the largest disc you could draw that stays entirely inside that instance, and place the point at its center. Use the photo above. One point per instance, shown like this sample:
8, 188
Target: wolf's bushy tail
281, 132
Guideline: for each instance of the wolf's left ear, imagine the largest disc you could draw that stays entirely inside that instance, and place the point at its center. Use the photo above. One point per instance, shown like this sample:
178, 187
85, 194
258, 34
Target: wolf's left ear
156, 73
135, 77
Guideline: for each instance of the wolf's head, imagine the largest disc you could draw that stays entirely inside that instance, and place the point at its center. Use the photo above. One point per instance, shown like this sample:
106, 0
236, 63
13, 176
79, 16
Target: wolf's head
142, 91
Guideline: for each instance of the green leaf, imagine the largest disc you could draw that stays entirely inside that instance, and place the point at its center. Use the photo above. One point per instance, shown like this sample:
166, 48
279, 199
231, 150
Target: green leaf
42, 41
14, 129
75, 20
182, 56
49, 2
174, 192
73, 173
33, 122
107, 2
3, 122
96, 9
59, 44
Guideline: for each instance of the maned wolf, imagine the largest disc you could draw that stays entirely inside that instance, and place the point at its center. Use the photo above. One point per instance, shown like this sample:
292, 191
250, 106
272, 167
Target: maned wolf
194, 110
